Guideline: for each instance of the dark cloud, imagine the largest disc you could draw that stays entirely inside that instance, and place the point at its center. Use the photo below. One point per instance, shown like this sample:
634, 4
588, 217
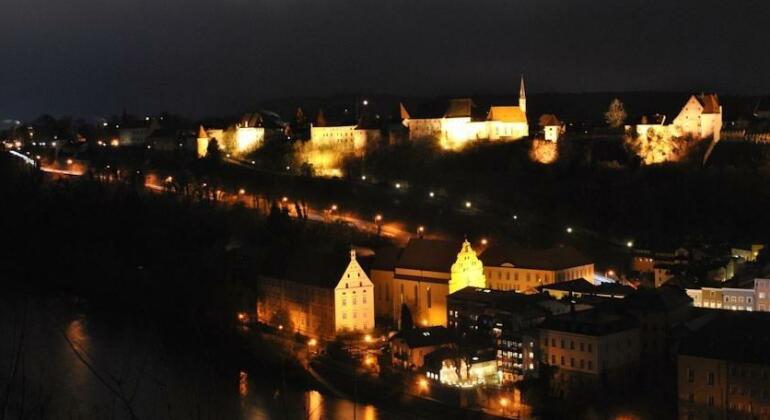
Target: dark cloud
92, 57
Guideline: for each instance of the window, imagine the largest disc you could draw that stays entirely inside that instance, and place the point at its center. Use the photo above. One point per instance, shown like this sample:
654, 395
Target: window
582, 347
553, 359
354, 300
711, 401
690, 375
430, 299
590, 365
590, 348
710, 378
363, 299
562, 360
344, 315
562, 343
571, 345
572, 362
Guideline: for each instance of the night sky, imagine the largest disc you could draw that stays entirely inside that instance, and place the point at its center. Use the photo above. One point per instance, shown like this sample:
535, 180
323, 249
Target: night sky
201, 57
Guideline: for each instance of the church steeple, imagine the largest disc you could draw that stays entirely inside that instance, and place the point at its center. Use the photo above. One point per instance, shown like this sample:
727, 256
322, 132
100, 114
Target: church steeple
467, 271
522, 96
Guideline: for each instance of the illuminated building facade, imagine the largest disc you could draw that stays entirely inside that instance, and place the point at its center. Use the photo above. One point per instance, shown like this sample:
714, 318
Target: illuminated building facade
524, 270
591, 349
700, 118
319, 307
460, 124
723, 369
419, 278
467, 271
756, 298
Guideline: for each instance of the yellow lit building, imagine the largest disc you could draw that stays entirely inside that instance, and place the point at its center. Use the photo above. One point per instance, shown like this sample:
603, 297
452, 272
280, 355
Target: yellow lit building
317, 303
524, 270
419, 278
460, 124
467, 271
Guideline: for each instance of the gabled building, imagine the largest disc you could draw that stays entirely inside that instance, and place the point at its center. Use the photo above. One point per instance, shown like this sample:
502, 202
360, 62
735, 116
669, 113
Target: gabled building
700, 118
319, 303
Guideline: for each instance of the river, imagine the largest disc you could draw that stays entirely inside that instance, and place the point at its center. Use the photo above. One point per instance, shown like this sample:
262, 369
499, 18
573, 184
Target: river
72, 364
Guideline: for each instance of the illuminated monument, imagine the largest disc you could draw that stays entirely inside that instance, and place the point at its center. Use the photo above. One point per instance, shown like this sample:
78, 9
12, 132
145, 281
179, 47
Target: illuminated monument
467, 271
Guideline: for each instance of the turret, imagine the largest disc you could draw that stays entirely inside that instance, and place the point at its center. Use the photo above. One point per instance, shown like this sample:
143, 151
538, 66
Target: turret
522, 96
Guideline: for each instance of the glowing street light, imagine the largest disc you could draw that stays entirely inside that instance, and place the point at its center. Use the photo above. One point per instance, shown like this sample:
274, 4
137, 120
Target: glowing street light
484, 241
368, 338
284, 199
312, 342
630, 244
431, 194
504, 402
69, 161
468, 204
363, 177
378, 218
378, 221
365, 102
569, 229
515, 217
241, 191
423, 384
334, 207
398, 185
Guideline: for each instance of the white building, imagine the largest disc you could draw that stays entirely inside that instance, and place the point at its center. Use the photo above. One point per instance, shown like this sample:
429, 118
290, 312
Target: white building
700, 117
354, 299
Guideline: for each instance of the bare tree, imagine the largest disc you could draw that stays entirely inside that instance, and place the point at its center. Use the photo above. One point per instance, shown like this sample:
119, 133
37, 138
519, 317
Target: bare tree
616, 114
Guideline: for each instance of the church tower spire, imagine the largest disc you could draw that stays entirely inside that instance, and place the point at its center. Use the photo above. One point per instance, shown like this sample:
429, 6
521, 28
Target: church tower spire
522, 96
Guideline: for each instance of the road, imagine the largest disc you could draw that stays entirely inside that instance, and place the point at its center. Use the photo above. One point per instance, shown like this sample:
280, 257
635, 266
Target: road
393, 230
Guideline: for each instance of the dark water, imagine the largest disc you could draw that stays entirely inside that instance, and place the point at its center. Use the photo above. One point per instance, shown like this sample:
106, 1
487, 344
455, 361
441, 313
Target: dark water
73, 366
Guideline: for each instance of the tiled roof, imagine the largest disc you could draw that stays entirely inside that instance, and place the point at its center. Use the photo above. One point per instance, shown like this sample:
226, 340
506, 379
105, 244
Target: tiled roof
459, 108
512, 114
546, 259
549, 119
386, 258
594, 322
710, 103
733, 335
429, 255
423, 337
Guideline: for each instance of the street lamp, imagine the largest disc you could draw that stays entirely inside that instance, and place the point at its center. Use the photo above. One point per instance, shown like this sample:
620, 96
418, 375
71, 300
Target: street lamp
378, 221
284, 199
334, 207
569, 229
241, 191
363, 177
468, 204
630, 244
484, 241
69, 161
365, 102
431, 194
421, 231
